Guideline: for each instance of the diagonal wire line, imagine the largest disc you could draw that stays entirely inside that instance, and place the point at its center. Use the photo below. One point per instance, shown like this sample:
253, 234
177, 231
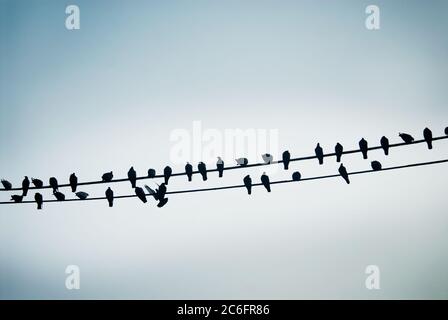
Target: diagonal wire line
235, 167
419, 164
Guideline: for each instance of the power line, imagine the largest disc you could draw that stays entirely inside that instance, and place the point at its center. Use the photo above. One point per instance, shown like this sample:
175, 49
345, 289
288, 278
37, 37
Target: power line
419, 164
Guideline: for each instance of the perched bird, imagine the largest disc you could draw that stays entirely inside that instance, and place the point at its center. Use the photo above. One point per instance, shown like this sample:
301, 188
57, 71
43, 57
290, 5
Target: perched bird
82, 195
59, 196
242, 161
167, 173
364, 147
110, 197
151, 173
343, 173
265, 181
376, 165
385, 145
54, 184
162, 202
140, 194
202, 170
319, 153
296, 176
25, 186
338, 149
17, 198
6, 184
407, 138
286, 157
446, 131
37, 183
73, 182
160, 192
267, 158
220, 166
132, 176
39, 200
248, 183
189, 170
108, 176
427, 134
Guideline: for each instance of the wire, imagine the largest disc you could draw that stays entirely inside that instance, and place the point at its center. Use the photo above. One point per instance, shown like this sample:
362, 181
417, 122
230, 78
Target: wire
254, 185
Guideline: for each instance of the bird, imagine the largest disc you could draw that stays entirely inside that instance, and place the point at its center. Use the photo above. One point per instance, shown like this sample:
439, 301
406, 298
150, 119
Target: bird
151, 191
296, 176
132, 176
286, 157
267, 158
338, 149
160, 192
54, 184
73, 182
265, 181
248, 183
376, 165
407, 138
140, 194
37, 183
39, 200
6, 184
242, 161
189, 170
446, 131
108, 176
343, 173
202, 170
25, 186
162, 202
82, 195
364, 147
151, 173
110, 197
427, 134
59, 196
319, 153
167, 173
17, 198
220, 166
385, 145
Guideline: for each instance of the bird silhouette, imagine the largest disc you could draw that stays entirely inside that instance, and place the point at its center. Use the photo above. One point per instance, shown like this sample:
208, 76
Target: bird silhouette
108, 176
286, 157
140, 194
446, 131
160, 192
202, 170
319, 153
376, 165
220, 166
39, 200
296, 176
17, 198
407, 138
189, 170
73, 182
267, 158
167, 173
151, 191
385, 145
6, 184
338, 149
37, 183
242, 161
265, 181
364, 147
151, 173
59, 196
427, 134
110, 196
162, 202
82, 195
54, 184
25, 186
132, 176
248, 183
343, 173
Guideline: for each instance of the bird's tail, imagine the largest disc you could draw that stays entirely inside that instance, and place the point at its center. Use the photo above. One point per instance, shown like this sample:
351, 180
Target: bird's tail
338, 158
111, 204
166, 180
430, 144
321, 160
73, 188
24, 193
364, 155
39, 206
204, 177
286, 165
189, 178
386, 151
220, 173
269, 188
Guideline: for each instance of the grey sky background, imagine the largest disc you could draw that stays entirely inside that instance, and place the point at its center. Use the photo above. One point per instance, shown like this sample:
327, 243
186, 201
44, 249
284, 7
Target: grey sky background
109, 95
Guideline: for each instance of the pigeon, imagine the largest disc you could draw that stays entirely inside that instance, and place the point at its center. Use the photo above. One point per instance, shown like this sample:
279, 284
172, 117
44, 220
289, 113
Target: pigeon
427, 134
265, 182
110, 197
407, 138
54, 184
73, 182
151, 173
162, 202
267, 158
286, 157
6, 184
39, 200
385, 145
167, 173
220, 166
376, 165
296, 176
319, 154
338, 149
364, 147
82, 195
189, 170
343, 173
17, 198
248, 183
108, 176
132, 176
140, 194
37, 183
59, 196
242, 161
446, 131
160, 192
202, 170
25, 186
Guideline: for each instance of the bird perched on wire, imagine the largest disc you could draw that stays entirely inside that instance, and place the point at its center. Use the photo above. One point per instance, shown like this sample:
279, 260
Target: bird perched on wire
202, 170
59, 196
265, 181
189, 171
151, 173
73, 182
82, 195
6, 184
248, 183
37, 183
385, 145
296, 176
427, 134
54, 184
17, 198
110, 196
140, 194
39, 200
167, 173
407, 138
343, 173
319, 153
267, 158
108, 176
338, 149
376, 165
364, 147
286, 157
25, 186
242, 161
132, 176
220, 166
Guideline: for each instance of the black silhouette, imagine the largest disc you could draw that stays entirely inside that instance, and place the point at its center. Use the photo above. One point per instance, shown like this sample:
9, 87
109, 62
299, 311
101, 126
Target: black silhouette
338, 149
242, 161
407, 138
446, 131
265, 182
37, 183
319, 153
160, 192
343, 173
6, 184
132, 176
385, 145
267, 158
151, 173
189, 170
108, 176
296, 176
202, 170
82, 195
17, 198
59, 196
25, 186
39, 200
376, 165
54, 184
427, 134
220, 166
73, 182
167, 173
363, 146
248, 183
162, 202
110, 197
140, 194
286, 157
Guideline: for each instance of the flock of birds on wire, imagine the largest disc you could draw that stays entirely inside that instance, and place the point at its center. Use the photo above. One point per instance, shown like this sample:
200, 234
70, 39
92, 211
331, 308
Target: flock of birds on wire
159, 193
